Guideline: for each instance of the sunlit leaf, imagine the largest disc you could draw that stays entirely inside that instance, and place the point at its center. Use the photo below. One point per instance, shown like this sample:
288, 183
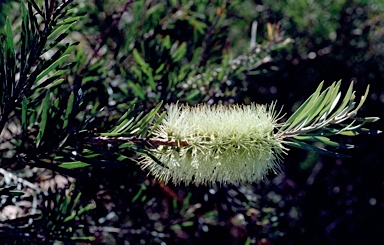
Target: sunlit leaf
139, 59
51, 67
61, 28
297, 115
137, 90
179, 52
73, 165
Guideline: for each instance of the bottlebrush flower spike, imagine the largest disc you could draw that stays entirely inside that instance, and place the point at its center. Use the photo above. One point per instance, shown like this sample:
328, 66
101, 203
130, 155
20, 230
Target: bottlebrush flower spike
216, 143
241, 143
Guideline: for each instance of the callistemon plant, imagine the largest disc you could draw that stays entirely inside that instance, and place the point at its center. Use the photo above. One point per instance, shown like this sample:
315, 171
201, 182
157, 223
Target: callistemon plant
216, 143
241, 143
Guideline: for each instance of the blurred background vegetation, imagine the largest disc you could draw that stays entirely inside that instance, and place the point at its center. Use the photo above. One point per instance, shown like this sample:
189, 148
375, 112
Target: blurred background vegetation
143, 52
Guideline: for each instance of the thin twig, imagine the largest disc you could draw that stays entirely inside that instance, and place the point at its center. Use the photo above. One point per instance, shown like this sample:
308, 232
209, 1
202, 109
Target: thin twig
104, 140
209, 34
104, 36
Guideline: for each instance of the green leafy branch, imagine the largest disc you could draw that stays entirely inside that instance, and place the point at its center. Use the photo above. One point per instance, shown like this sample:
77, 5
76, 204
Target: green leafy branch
209, 83
121, 143
326, 114
59, 216
62, 212
24, 69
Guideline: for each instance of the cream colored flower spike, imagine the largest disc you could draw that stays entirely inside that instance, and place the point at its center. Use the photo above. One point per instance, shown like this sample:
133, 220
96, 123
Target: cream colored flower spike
216, 144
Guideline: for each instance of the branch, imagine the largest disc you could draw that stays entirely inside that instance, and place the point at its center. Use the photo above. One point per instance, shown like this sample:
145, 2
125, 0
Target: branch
104, 140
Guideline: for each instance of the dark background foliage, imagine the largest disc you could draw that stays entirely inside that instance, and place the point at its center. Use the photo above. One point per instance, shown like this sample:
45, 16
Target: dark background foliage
315, 200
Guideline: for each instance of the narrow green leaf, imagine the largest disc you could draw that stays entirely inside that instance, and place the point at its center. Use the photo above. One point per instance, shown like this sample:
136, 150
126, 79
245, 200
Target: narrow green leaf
127, 145
179, 52
8, 30
123, 89
51, 82
138, 118
154, 9
176, 227
332, 99
44, 117
86, 208
83, 238
51, 67
160, 69
292, 120
26, 34
124, 122
192, 95
138, 194
158, 121
54, 108
349, 133
72, 165
59, 38
324, 140
71, 217
146, 121
75, 201
62, 12
124, 126
92, 155
56, 83
305, 146
122, 158
150, 79
347, 99
134, 130
139, 59
65, 204
352, 126
198, 25
125, 115
367, 119
24, 121
167, 42
187, 223
224, 65
137, 90
63, 50
196, 56
319, 104
70, 48
334, 103
68, 111
60, 29
68, 20
362, 100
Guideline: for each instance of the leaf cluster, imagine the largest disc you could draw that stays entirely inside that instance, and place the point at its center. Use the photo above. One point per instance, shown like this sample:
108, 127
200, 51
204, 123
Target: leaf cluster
30, 214
326, 114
